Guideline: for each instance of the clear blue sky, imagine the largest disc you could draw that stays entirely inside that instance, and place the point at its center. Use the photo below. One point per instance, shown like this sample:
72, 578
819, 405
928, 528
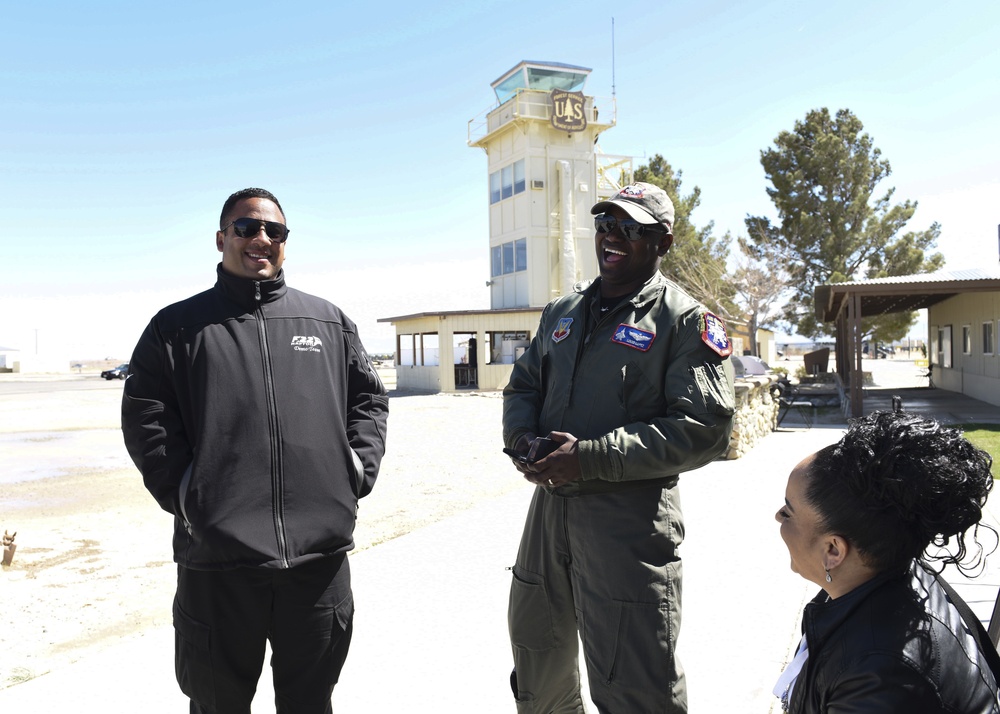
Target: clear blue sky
124, 126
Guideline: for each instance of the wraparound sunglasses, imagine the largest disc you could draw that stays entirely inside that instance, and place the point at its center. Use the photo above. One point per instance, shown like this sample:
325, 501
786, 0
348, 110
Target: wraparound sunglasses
627, 227
249, 227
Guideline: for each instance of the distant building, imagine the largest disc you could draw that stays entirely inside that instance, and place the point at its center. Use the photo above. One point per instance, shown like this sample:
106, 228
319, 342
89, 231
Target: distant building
8, 358
963, 321
964, 339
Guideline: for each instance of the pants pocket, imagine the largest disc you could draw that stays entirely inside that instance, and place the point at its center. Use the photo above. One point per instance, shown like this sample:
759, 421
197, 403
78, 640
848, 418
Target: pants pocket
193, 658
340, 639
642, 649
530, 611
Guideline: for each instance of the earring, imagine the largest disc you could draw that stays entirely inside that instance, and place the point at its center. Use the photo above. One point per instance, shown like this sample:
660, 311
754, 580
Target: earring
828, 578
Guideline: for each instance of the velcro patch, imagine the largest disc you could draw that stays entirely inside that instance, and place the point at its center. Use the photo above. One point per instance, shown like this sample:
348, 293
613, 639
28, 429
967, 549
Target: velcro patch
633, 337
562, 329
713, 334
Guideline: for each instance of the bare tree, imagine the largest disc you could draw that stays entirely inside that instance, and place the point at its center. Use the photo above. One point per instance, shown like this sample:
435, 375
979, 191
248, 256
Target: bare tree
760, 280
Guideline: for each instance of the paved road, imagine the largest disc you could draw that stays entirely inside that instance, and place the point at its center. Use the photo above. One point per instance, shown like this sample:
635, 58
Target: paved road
34, 383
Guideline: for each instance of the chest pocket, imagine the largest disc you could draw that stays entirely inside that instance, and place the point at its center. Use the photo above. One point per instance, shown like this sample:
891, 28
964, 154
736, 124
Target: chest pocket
641, 400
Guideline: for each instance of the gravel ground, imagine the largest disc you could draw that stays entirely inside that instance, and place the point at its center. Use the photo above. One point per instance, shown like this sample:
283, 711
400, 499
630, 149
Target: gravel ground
93, 563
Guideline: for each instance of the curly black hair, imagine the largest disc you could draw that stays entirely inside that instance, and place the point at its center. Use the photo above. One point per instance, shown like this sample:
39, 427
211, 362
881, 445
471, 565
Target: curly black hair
898, 483
239, 196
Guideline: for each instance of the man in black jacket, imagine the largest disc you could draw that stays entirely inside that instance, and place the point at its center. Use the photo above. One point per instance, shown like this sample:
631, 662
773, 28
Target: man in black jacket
258, 421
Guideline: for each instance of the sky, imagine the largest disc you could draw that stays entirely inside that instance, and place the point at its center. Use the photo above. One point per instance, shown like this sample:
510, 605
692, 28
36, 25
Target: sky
124, 126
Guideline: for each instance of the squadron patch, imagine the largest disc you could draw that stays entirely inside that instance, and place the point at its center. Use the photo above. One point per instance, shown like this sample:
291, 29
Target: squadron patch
562, 329
633, 337
713, 334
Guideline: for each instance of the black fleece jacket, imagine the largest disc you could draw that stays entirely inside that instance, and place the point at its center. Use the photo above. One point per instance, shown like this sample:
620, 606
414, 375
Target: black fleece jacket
257, 419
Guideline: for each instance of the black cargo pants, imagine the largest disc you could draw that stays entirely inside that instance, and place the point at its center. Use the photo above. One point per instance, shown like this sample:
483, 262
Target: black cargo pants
222, 620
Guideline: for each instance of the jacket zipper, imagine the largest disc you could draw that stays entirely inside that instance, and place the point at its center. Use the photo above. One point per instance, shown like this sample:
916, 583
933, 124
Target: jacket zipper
277, 485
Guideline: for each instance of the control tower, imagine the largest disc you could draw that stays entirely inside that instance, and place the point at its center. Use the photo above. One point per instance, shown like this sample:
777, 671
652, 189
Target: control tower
545, 172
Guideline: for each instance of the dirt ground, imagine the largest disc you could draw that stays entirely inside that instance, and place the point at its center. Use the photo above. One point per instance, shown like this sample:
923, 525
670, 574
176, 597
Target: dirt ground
93, 563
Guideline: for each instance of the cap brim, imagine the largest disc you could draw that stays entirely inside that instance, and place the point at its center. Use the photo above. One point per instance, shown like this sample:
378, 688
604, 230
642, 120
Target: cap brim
635, 211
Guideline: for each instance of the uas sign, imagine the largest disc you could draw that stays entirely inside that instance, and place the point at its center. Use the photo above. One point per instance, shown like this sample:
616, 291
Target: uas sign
567, 111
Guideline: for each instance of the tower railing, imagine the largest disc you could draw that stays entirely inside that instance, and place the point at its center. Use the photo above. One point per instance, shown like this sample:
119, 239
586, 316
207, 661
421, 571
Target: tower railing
535, 105
613, 172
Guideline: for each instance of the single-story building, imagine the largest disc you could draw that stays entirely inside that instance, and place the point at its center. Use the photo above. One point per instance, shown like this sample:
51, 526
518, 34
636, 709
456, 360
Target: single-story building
8, 358
480, 345
963, 320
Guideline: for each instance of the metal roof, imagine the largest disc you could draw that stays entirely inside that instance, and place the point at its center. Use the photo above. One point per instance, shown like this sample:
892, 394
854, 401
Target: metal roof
904, 293
448, 313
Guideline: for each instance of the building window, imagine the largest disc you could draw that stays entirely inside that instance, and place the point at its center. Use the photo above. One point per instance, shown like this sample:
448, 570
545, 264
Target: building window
505, 347
417, 349
508, 258
519, 176
508, 181
496, 262
429, 349
511, 257
520, 255
967, 339
943, 350
494, 187
987, 338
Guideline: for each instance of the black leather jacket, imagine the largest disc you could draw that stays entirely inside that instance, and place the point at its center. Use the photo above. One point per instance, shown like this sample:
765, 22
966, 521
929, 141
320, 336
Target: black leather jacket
895, 644
257, 420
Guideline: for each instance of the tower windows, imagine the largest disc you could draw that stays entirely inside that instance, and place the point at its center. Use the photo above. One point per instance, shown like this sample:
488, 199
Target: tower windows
510, 257
508, 181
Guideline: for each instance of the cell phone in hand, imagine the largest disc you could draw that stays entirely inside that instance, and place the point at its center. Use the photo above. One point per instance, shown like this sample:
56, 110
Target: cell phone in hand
519, 458
545, 447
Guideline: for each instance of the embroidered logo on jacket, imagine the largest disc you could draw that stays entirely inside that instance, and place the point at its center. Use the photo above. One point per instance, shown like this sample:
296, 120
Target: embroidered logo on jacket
562, 329
633, 337
309, 343
713, 334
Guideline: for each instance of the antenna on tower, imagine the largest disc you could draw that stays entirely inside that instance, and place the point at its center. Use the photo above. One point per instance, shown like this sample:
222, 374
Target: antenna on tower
612, 58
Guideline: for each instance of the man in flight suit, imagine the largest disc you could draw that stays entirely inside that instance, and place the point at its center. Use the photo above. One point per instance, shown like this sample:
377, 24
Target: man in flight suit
628, 378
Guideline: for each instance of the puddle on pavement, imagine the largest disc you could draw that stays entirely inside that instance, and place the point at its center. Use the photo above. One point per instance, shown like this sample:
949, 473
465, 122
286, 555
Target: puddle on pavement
30, 456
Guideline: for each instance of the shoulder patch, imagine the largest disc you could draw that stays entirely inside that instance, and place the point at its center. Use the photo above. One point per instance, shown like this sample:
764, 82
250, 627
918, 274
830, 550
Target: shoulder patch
562, 329
713, 334
633, 337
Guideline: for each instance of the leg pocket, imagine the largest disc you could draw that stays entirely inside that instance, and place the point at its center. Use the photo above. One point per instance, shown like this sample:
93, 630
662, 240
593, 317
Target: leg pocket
530, 611
642, 648
193, 658
340, 636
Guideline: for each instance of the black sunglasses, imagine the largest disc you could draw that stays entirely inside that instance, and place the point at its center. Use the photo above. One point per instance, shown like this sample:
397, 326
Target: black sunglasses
627, 227
250, 227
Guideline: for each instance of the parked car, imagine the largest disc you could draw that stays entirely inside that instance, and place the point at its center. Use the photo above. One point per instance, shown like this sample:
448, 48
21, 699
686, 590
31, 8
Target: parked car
119, 372
749, 365
881, 351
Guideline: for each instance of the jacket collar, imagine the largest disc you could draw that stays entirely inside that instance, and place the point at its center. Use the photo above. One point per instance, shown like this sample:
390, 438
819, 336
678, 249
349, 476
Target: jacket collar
244, 291
822, 616
649, 290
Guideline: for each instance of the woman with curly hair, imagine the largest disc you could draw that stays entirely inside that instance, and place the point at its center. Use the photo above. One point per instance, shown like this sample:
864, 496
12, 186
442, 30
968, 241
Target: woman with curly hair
864, 519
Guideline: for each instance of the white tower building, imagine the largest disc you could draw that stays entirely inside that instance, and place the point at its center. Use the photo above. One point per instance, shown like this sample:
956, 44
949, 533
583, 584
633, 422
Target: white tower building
545, 171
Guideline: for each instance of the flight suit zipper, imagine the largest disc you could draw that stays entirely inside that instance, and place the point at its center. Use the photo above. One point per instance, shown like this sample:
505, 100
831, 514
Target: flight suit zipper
590, 327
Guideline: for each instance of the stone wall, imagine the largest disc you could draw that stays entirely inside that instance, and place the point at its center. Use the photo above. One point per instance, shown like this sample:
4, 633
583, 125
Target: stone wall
756, 413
